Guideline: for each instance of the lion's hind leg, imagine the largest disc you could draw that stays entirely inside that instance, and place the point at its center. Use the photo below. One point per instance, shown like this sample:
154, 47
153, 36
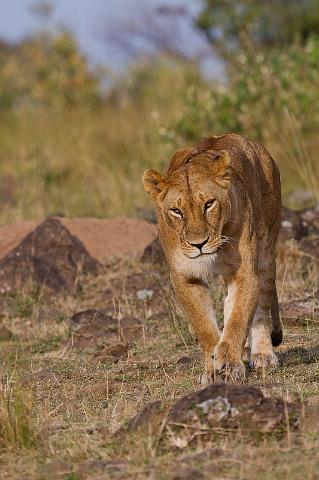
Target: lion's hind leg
246, 352
261, 348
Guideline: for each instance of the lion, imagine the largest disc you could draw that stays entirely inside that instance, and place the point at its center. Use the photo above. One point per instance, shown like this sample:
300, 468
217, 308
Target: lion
218, 209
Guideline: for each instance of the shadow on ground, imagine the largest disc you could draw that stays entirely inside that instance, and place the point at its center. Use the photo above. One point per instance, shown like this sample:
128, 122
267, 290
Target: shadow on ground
299, 355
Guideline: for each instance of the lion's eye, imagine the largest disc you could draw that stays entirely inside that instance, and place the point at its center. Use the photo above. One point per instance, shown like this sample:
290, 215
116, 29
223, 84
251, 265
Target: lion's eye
209, 205
176, 212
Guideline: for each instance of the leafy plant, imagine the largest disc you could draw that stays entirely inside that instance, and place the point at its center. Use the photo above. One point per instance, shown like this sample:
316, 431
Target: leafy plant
270, 96
46, 70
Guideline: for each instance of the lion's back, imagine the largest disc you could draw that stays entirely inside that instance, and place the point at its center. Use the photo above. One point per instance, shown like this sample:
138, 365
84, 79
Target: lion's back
254, 172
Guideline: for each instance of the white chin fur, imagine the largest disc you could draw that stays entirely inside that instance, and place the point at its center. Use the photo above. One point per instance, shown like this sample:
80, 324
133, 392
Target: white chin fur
200, 267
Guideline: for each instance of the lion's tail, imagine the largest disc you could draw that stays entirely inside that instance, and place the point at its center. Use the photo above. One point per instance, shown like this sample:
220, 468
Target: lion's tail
277, 328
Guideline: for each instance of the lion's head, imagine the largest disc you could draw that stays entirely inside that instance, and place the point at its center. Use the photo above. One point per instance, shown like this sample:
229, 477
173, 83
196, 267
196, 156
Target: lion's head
192, 201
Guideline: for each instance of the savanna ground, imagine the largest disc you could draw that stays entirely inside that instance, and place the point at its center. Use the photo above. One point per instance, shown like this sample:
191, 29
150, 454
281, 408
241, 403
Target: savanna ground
67, 149
61, 402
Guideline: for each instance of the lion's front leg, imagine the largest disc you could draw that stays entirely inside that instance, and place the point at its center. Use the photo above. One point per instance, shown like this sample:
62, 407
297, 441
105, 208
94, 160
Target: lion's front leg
240, 307
196, 301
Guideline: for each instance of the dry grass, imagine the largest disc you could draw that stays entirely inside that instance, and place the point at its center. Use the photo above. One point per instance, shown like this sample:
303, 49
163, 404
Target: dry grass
76, 164
295, 154
90, 163
59, 406
16, 425
84, 161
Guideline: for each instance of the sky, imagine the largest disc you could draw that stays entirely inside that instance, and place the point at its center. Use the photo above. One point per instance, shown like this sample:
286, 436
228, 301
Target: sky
88, 20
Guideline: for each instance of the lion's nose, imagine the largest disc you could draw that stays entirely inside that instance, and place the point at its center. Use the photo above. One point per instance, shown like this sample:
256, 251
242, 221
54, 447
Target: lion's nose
200, 245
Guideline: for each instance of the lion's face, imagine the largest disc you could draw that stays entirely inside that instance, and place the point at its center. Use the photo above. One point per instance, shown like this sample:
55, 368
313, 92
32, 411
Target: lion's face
192, 208
195, 209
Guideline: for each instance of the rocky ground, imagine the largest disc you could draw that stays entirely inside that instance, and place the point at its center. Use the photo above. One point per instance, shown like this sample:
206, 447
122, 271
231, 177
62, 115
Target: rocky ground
99, 371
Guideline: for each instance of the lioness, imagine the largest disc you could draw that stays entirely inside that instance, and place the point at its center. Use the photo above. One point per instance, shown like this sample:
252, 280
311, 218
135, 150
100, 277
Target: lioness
219, 210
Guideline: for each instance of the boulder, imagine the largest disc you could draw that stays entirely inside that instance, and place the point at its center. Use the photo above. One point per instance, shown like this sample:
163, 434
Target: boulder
229, 407
302, 309
303, 227
50, 256
54, 252
102, 238
218, 408
153, 253
299, 224
292, 226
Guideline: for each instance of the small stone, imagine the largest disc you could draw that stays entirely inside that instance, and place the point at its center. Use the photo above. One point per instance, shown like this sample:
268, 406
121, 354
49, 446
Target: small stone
187, 473
185, 360
5, 333
108, 467
144, 294
97, 388
286, 224
112, 352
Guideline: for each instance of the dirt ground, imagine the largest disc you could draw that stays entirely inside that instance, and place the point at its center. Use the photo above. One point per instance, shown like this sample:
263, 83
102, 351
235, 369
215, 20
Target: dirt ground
76, 367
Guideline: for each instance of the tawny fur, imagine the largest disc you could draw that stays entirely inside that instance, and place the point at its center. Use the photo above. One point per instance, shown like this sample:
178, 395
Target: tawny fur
219, 210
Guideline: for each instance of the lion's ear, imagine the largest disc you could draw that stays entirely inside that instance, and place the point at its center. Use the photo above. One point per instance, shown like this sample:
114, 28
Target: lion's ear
220, 167
153, 183
182, 156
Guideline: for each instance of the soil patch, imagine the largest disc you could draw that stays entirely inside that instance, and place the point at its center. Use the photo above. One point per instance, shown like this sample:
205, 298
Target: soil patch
96, 330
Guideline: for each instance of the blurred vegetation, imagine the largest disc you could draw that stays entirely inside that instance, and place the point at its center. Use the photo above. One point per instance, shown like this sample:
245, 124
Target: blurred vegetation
46, 71
272, 97
271, 52
71, 146
261, 89
232, 27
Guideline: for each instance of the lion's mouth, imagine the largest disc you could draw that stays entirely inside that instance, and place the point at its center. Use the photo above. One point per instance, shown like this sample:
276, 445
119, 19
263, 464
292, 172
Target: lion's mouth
199, 254
211, 248
206, 251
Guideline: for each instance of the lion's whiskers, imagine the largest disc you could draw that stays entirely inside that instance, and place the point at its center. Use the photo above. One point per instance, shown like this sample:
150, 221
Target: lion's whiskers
226, 240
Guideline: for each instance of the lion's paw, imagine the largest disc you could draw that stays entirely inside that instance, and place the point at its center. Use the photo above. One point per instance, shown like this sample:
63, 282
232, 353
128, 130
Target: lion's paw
264, 360
229, 366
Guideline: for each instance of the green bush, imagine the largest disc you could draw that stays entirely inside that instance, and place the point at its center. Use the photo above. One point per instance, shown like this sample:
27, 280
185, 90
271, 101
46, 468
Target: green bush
261, 90
48, 71
272, 97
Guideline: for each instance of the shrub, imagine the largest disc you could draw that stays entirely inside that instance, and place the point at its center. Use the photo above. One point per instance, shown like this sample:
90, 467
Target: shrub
272, 97
46, 70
